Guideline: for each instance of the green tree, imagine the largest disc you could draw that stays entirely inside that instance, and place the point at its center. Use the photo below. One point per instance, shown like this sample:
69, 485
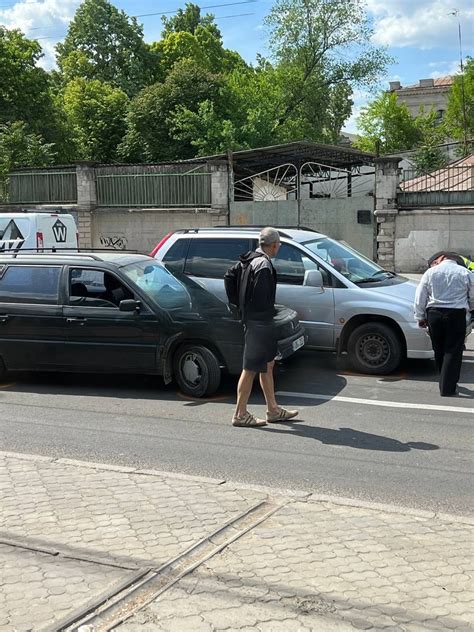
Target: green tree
318, 45
189, 20
95, 113
205, 130
459, 118
188, 35
152, 113
428, 155
24, 88
19, 147
387, 126
104, 43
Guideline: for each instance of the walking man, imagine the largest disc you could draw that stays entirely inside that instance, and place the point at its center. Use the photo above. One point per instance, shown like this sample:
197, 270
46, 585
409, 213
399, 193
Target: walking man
256, 302
443, 298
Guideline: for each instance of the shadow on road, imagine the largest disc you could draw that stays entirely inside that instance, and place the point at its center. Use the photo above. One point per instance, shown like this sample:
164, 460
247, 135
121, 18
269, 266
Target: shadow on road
350, 438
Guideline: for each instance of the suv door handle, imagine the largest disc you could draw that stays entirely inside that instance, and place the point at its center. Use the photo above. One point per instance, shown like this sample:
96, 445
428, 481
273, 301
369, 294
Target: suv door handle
79, 321
4, 318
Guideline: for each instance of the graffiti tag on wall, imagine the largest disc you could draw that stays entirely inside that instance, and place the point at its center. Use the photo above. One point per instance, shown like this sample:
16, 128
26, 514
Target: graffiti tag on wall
116, 242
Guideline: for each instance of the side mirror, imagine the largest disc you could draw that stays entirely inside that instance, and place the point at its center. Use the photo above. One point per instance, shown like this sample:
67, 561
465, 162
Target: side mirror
313, 278
130, 305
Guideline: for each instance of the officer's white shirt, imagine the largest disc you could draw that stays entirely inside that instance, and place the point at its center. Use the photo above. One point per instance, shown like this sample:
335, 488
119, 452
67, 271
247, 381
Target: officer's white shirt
447, 285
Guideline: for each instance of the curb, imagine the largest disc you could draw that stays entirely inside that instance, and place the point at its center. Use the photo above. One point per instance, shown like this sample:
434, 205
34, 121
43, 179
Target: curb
291, 495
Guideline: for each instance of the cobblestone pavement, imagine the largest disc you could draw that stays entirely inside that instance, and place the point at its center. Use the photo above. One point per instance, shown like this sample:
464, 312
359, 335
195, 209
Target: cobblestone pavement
71, 531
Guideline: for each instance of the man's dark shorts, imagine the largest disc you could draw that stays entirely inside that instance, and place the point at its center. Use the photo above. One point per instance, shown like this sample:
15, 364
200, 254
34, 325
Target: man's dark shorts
260, 345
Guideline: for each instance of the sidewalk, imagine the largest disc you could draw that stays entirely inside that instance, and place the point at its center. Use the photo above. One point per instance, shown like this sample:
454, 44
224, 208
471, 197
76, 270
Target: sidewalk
89, 546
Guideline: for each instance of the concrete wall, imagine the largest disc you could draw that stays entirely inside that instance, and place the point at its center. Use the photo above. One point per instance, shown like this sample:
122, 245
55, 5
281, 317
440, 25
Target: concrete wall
420, 233
142, 229
336, 218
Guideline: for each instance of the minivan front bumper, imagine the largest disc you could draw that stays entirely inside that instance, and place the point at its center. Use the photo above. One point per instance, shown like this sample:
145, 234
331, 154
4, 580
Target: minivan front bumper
418, 341
288, 346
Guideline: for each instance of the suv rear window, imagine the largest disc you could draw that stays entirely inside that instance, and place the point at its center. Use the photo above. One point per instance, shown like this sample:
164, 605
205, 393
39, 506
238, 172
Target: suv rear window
211, 258
174, 258
30, 284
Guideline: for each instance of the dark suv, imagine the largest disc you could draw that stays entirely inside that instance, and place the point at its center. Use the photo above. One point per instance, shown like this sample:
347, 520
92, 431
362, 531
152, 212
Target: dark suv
120, 313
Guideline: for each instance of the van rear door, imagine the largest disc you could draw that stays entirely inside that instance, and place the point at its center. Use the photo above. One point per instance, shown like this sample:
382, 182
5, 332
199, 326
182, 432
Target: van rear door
57, 231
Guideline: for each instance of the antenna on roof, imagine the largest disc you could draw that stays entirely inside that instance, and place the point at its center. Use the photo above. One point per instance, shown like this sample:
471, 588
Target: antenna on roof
455, 12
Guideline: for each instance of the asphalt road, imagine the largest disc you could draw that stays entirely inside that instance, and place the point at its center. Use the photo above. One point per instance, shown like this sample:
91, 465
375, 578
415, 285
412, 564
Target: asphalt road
357, 436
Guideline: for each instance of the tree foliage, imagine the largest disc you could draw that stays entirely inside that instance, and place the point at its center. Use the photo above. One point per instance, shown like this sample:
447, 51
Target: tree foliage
104, 43
152, 112
189, 20
24, 87
115, 97
321, 44
19, 147
387, 126
460, 111
95, 114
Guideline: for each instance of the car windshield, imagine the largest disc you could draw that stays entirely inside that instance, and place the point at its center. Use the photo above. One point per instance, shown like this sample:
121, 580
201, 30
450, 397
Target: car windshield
348, 262
159, 284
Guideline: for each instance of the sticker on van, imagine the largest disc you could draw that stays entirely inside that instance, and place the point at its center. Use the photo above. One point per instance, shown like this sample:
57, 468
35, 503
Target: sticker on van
60, 231
11, 238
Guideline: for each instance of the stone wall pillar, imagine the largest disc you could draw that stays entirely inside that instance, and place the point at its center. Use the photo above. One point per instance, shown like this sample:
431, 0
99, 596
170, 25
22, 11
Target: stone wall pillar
219, 185
86, 201
387, 177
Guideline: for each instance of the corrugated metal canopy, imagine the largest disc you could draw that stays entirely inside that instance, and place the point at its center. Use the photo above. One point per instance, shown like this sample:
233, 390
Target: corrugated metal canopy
297, 153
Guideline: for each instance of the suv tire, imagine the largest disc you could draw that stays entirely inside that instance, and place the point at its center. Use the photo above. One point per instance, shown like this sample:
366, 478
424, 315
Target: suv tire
374, 348
3, 371
196, 370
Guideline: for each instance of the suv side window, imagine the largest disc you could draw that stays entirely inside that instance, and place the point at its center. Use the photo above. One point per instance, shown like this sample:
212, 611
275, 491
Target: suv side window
291, 264
30, 284
96, 288
211, 258
174, 258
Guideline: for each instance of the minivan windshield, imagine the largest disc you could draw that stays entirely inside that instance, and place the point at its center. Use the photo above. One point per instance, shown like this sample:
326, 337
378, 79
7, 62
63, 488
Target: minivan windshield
350, 263
159, 284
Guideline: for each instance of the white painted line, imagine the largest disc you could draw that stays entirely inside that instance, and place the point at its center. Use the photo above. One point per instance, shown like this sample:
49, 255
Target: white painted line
375, 402
471, 361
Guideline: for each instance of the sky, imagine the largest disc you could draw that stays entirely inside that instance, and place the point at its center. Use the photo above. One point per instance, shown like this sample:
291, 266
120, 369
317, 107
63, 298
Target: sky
421, 35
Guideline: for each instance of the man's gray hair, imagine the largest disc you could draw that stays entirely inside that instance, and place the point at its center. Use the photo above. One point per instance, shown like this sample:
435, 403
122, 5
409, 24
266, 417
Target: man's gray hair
268, 236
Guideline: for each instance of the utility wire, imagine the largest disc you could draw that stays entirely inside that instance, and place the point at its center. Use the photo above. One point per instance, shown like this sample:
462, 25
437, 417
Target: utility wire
222, 17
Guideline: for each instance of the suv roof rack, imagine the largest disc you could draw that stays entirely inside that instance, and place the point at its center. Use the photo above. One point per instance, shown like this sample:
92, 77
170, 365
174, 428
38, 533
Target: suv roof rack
46, 255
245, 227
51, 252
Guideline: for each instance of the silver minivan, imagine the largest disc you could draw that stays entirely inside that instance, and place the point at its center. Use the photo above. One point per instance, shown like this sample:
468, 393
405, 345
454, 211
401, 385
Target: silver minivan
345, 301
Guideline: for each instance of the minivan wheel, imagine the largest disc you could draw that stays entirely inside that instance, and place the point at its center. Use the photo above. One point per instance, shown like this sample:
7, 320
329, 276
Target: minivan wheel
374, 348
196, 370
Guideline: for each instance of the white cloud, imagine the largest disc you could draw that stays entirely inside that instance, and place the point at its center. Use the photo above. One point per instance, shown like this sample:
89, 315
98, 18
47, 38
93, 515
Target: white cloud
442, 69
424, 24
47, 21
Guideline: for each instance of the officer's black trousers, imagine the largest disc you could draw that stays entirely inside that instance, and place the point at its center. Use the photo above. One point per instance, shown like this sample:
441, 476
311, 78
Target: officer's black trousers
447, 329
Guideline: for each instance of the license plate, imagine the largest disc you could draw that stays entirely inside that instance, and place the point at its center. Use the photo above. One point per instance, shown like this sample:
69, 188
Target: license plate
298, 343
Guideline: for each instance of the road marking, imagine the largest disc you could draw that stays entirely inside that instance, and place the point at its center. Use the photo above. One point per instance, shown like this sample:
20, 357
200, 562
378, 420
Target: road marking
471, 361
375, 402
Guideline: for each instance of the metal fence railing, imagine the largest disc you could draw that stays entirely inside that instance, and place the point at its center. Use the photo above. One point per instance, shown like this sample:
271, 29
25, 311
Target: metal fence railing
449, 186
154, 189
452, 178
3, 189
42, 186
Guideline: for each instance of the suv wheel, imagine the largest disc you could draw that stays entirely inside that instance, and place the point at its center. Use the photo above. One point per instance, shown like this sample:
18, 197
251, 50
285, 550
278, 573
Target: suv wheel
374, 348
196, 370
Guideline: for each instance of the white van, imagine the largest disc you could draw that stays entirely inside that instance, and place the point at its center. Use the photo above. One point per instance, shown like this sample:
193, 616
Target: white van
37, 232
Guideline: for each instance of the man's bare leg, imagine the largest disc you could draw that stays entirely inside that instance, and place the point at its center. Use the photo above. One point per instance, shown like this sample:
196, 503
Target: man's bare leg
244, 388
268, 387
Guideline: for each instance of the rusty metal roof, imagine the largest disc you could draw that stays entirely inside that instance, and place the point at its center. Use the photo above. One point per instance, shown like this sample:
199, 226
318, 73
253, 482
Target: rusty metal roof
297, 153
